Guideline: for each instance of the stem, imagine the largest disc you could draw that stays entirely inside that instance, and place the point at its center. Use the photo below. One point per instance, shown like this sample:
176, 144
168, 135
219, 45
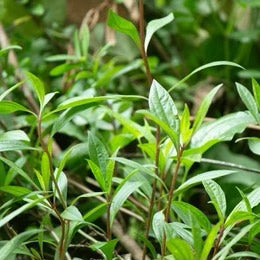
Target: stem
171, 195
217, 244
63, 238
109, 233
150, 211
150, 80
161, 190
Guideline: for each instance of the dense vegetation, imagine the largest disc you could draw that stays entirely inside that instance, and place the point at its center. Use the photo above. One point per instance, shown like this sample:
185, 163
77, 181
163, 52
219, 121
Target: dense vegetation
133, 135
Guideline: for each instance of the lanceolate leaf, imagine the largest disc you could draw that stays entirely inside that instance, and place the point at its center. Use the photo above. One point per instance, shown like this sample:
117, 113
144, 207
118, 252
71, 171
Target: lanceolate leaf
8, 48
154, 26
204, 107
203, 177
217, 197
158, 225
163, 107
3, 95
180, 249
117, 202
203, 67
8, 107
124, 26
7, 250
222, 129
248, 100
15, 190
37, 85
256, 90
72, 213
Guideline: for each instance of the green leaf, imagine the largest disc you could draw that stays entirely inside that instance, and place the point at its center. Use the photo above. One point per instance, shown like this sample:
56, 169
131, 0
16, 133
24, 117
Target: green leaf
87, 195
203, 67
45, 168
37, 85
8, 107
62, 182
238, 217
7, 250
185, 210
254, 145
78, 101
217, 197
244, 254
209, 243
14, 135
3, 95
14, 146
84, 37
222, 129
256, 91
121, 196
204, 107
108, 248
186, 132
158, 225
249, 101
100, 178
63, 57
197, 236
18, 211
180, 249
72, 213
203, 177
222, 254
154, 26
124, 26
47, 98
110, 172
163, 107
15, 190
8, 48
98, 153
170, 132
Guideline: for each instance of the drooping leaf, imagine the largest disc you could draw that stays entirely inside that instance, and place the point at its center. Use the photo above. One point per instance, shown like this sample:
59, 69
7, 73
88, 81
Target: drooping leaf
15, 190
204, 107
121, 196
217, 197
222, 129
180, 249
124, 26
7, 250
248, 100
72, 213
203, 67
154, 26
8, 107
203, 177
158, 225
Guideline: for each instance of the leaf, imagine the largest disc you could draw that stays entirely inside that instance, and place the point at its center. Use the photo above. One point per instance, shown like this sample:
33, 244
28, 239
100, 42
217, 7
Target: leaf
124, 26
62, 184
248, 100
8, 107
238, 217
87, 195
14, 135
254, 145
15, 190
253, 198
14, 146
256, 91
170, 132
209, 243
3, 95
197, 237
98, 153
163, 107
203, 177
78, 101
110, 172
158, 225
180, 249
47, 98
185, 210
154, 26
217, 197
45, 168
204, 107
63, 57
7, 250
121, 196
203, 67
8, 48
222, 129
244, 254
18, 211
37, 85
98, 175
108, 248
84, 37
72, 213
222, 254
186, 132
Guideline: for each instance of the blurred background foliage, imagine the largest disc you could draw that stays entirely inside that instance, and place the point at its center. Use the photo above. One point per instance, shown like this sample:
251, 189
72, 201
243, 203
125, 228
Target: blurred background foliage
203, 31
